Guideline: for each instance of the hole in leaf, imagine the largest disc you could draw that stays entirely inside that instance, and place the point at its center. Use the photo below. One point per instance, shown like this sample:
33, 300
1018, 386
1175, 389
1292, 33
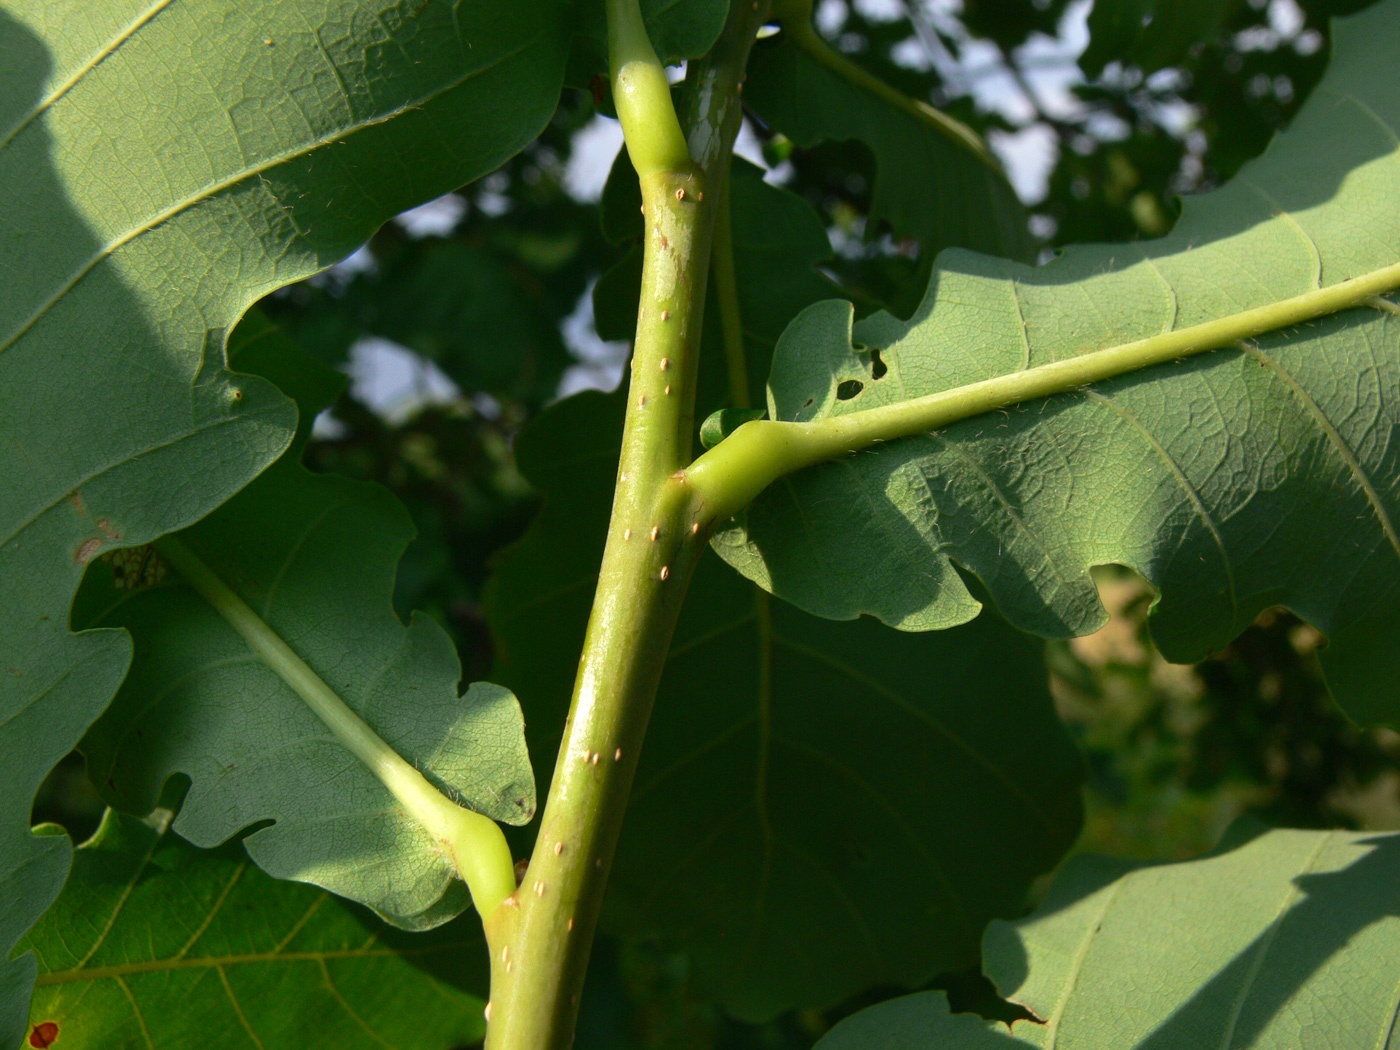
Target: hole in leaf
878, 368
969, 992
849, 389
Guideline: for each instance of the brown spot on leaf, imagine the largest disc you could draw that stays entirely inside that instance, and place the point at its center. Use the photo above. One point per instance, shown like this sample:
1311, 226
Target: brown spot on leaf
108, 529
44, 1034
79, 504
85, 553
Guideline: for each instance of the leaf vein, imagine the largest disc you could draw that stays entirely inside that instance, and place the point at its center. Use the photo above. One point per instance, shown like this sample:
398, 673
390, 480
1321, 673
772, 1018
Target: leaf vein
1335, 438
349, 1010
120, 971
234, 179
1265, 942
92, 63
238, 1009
218, 904
136, 1009
121, 902
1197, 504
897, 819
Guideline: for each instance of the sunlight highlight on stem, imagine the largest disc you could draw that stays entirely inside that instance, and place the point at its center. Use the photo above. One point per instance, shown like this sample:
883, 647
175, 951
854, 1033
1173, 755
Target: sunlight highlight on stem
642, 94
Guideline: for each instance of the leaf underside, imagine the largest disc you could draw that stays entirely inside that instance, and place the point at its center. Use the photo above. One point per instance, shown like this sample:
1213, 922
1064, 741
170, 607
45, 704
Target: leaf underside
1246, 478
928, 185
1290, 941
162, 166
155, 944
314, 555
789, 826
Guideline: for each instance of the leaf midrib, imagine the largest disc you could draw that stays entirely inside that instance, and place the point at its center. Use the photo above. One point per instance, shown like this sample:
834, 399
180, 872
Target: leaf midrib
250, 171
136, 454
101, 55
96, 973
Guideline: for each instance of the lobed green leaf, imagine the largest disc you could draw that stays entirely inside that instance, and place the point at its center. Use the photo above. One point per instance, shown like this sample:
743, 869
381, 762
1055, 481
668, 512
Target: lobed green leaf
1290, 941
1250, 477
162, 166
935, 180
314, 555
155, 944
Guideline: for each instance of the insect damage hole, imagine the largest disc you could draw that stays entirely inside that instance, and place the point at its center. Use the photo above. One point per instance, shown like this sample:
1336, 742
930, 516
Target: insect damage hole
878, 368
848, 389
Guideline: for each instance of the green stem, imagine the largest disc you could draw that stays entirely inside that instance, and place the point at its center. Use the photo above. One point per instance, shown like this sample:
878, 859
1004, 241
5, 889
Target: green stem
798, 25
727, 300
541, 936
731, 474
642, 94
736, 367
475, 842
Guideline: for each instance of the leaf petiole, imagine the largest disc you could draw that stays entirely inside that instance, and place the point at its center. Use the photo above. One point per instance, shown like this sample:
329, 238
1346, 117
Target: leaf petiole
796, 20
730, 475
475, 842
642, 95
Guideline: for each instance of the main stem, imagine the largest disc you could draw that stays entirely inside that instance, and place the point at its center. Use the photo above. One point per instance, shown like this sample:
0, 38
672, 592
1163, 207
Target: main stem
540, 936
